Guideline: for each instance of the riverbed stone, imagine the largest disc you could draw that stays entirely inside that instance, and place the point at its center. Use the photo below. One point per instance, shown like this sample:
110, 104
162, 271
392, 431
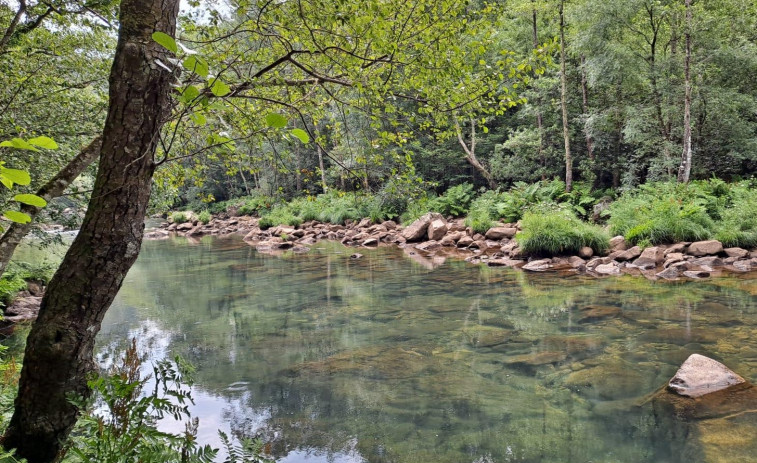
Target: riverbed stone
595, 313
673, 258
537, 359
585, 252
705, 248
670, 273
709, 261
498, 233
736, 252
371, 242
417, 230
437, 229
540, 265
629, 254
650, 257
700, 375
618, 243
676, 248
464, 242
608, 269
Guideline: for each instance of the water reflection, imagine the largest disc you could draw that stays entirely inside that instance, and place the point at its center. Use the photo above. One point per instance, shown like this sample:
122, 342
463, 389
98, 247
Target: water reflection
390, 359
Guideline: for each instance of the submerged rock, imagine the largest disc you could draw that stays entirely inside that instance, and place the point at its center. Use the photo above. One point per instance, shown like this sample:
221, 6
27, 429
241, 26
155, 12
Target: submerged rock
700, 375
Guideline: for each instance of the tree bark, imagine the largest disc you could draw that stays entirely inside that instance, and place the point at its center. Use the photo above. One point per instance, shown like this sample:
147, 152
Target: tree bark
323, 171
585, 98
470, 153
52, 189
539, 120
59, 349
684, 171
564, 104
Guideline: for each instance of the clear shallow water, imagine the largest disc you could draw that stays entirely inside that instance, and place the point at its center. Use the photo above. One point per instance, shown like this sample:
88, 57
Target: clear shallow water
382, 359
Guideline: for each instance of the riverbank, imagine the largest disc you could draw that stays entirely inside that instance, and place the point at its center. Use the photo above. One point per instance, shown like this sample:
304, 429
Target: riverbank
433, 238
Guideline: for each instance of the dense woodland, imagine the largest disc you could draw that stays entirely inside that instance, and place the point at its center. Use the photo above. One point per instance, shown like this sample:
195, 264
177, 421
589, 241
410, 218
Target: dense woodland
349, 109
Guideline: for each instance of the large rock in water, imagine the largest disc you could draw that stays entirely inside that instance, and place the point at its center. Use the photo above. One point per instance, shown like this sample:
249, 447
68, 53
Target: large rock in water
416, 231
700, 375
705, 248
437, 229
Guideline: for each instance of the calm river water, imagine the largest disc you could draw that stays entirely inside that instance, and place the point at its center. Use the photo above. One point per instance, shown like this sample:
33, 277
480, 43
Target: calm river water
386, 359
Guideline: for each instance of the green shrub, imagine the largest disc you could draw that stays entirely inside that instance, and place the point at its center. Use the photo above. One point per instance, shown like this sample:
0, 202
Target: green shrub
455, 201
179, 217
416, 209
279, 215
738, 225
204, 217
484, 211
557, 232
664, 213
251, 205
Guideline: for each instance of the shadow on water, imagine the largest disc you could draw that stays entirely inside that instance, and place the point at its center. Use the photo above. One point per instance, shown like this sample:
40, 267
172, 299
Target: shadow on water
389, 359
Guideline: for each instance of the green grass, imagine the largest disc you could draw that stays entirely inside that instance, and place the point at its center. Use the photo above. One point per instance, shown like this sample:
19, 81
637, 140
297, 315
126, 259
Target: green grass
179, 217
204, 217
559, 232
738, 224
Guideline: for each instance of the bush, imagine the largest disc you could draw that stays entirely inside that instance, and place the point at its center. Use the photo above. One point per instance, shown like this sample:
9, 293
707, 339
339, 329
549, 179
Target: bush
484, 211
179, 217
16, 276
455, 201
279, 215
738, 225
204, 217
558, 232
664, 213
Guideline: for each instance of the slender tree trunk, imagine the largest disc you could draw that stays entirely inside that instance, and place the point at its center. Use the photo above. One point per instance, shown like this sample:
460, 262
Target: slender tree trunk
52, 189
539, 119
12, 26
684, 171
59, 349
585, 98
470, 153
564, 103
323, 171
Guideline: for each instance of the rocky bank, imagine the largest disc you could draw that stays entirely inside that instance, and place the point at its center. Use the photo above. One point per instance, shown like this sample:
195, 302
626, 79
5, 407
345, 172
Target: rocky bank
432, 238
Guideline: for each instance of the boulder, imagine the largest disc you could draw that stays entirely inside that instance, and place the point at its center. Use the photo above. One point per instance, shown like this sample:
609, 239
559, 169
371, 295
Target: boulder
630, 254
390, 224
676, 248
498, 233
464, 242
736, 252
710, 261
577, 263
416, 231
618, 243
670, 273
585, 252
700, 375
650, 258
672, 258
538, 265
607, 269
705, 248
437, 229
186, 226
371, 242
504, 262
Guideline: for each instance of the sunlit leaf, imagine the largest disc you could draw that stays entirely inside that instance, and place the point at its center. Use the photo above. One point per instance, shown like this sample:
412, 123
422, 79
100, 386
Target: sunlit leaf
301, 135
18, 143
219, 88
165, 40
44, 142
197, 65
276, 121
18, 217
32, 200
16, 176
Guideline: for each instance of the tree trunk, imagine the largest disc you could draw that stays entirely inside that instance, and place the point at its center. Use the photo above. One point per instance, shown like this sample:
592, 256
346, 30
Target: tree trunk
539, 120
684, 171
59, 349
470, 153
323, 172
52, 189
564, 103
585, 98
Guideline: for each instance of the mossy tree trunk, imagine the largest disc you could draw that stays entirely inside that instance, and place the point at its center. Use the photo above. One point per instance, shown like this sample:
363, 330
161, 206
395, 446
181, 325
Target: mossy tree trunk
59, 350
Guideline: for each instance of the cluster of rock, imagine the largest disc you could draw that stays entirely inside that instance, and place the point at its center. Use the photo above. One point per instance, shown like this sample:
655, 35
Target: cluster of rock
432, 235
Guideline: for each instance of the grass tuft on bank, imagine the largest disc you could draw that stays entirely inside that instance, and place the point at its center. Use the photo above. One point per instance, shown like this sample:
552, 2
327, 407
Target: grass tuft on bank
557, 232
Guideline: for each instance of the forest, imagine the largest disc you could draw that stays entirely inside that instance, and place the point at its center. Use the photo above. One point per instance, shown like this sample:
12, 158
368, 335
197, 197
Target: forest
572, 121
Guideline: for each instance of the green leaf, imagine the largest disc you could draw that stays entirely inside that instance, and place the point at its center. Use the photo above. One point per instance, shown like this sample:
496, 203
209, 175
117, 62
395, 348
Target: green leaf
18, 217
18, 143
219, 88
276, 121
16, 176
197, 65
166, 41
199, 119
44, 142
302, 135
32, 200
189, 93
